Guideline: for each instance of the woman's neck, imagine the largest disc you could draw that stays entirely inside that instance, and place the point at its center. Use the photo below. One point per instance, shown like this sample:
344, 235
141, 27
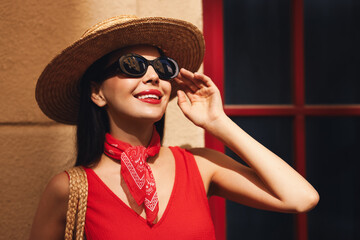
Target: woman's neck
132, 133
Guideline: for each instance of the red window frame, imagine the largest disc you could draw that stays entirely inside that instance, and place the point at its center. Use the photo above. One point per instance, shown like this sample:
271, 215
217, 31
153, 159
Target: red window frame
213, 67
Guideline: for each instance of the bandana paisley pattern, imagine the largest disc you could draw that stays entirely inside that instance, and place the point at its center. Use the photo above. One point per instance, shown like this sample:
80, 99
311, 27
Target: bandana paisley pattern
136, 172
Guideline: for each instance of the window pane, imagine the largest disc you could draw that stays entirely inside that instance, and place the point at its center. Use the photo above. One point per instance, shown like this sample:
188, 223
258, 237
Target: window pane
332, 51
333, 163
257, 52
249, 223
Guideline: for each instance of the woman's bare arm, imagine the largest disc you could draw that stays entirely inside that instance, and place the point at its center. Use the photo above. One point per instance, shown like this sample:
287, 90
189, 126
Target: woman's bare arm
270, 183
50, 218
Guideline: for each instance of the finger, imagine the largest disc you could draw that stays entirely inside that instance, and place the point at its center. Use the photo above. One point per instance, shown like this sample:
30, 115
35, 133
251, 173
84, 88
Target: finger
204, 79
191, 77
186, 87
182, 102
185, 81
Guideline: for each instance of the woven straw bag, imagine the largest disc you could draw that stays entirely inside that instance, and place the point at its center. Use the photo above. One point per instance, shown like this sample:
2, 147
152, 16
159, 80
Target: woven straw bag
75, 216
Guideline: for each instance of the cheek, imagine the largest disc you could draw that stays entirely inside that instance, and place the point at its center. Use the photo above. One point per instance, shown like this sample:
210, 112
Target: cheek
115, 87
167, 88
174, 88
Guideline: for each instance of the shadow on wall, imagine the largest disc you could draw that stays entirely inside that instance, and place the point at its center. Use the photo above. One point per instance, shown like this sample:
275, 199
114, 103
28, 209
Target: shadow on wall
34, 148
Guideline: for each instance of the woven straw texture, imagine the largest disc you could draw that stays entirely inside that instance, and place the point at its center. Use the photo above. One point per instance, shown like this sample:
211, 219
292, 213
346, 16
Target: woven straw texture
75, 216
57, 88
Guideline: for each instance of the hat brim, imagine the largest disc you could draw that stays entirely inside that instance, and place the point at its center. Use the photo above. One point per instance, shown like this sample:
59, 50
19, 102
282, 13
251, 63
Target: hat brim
57, 90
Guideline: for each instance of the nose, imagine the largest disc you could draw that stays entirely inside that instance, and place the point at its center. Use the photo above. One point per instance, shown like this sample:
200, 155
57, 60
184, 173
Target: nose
151, 76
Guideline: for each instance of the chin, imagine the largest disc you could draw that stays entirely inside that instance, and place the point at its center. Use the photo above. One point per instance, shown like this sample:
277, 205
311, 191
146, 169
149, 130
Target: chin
152, 115
152, 119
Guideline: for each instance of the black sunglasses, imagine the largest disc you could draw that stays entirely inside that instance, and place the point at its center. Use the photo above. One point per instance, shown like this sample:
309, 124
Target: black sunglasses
134, 65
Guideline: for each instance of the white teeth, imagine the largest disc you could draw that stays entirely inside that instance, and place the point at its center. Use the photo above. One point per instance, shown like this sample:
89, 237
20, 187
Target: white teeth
148, 96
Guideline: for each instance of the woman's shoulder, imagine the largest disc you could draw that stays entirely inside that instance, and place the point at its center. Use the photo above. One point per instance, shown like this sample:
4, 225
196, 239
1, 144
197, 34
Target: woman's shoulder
204, 153
209, 160
203, 158
58, 187
50, 217
199, 153
194, 150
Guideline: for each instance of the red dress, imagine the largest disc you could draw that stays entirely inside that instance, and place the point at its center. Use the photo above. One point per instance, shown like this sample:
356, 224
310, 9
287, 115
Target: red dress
187, 215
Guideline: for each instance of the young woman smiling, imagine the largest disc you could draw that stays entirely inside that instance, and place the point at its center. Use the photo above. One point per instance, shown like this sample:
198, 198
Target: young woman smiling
114, 84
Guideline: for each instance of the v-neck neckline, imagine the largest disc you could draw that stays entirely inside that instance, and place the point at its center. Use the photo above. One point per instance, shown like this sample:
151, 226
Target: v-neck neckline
141, 219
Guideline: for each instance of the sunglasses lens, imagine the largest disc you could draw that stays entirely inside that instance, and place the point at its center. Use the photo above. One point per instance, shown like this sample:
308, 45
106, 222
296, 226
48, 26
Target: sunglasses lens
133, 65
166, 68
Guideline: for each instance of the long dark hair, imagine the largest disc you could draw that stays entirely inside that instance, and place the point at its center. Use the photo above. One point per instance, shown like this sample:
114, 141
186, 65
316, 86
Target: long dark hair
93, 121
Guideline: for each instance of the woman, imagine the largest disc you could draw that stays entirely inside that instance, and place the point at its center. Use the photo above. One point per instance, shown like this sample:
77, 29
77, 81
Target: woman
115, 84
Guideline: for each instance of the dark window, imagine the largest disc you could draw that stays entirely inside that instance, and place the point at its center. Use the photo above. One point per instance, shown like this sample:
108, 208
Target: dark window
257, 52
266, 46
332, 51
333, 163
249, 223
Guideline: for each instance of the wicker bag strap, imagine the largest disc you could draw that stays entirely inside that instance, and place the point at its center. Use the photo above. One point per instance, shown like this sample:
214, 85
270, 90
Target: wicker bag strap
75, 216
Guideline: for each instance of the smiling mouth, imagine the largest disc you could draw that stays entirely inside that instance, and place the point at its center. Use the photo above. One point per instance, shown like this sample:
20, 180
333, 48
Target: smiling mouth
148, 96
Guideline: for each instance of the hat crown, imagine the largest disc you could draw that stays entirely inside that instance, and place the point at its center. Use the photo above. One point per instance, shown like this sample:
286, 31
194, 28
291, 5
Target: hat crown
107, 23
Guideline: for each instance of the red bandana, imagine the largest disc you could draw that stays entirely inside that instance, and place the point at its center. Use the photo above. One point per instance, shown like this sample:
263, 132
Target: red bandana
136, 172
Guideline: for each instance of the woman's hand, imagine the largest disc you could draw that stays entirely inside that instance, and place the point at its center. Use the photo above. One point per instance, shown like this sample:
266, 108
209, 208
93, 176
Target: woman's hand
269, 183
205, 106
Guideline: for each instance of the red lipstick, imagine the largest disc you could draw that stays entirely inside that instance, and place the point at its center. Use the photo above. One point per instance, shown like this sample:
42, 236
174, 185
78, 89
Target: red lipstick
152, 96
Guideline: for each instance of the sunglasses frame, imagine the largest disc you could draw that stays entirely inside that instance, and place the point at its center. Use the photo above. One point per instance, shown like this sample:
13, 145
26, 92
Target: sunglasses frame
147, 64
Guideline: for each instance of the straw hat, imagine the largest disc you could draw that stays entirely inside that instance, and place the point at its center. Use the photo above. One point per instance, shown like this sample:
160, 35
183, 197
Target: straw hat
57, 88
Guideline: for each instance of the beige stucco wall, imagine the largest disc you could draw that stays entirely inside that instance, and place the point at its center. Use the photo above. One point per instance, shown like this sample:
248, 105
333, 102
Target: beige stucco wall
34, 148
